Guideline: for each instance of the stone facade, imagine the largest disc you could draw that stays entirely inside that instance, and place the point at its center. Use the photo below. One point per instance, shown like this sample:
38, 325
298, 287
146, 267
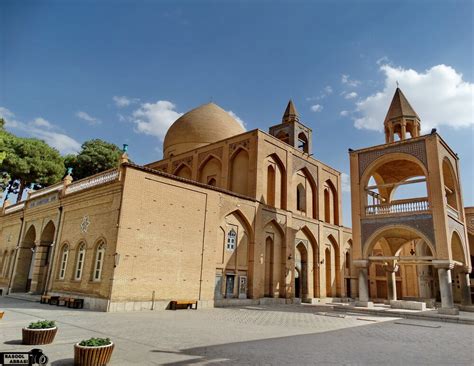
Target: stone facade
249, 217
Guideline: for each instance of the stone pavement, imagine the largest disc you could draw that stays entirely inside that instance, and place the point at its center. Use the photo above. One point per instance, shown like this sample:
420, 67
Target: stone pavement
464, 317
259, 335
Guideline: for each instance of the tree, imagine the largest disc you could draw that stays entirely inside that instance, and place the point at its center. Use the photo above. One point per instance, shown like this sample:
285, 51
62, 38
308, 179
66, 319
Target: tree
95, 157
6, 140
29, 160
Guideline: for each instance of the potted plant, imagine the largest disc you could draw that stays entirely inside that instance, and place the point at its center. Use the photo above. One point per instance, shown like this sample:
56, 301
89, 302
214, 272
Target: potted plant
93, 352
40, 332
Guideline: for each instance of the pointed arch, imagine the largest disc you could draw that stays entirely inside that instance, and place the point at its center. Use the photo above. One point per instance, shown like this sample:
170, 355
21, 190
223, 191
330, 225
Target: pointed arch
22, 277
276, 181
47, 235
238, 172
334, 268
314, 274
184, 171
303, 176
210, 168
457, 248
331, 203
451, 185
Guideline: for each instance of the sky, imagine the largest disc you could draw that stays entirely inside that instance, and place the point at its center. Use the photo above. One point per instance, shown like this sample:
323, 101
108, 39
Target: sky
123, 71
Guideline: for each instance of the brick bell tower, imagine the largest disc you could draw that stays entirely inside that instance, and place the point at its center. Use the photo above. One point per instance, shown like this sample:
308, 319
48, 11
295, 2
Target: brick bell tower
291, 131
408, 216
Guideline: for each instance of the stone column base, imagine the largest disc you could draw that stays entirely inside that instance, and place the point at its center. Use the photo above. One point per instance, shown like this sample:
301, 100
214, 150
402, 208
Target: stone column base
365, 304
448, 311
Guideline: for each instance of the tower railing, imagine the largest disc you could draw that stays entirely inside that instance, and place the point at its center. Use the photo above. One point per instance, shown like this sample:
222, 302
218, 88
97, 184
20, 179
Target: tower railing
399, 206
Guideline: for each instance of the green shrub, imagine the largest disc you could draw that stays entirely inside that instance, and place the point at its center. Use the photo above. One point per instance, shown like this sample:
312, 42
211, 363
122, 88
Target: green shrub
95, 342
42, 324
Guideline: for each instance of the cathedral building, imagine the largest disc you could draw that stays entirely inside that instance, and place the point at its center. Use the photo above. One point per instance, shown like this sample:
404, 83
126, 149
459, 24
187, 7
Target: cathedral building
226, 217
409, 224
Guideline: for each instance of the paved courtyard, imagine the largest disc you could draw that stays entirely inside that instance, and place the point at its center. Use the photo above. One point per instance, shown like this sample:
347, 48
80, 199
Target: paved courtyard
263, 335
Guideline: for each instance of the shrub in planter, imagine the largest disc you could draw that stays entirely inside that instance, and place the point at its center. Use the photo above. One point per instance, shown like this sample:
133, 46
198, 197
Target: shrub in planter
40, 332
93, 352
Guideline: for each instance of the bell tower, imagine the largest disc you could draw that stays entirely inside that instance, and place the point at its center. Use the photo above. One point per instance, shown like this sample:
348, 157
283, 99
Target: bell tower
408, 220
292, 131
401, 121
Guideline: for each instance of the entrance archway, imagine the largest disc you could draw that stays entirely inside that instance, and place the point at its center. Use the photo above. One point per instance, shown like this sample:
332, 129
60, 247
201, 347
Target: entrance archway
301, 271
269, 255
401, 266
24, 267
41, 256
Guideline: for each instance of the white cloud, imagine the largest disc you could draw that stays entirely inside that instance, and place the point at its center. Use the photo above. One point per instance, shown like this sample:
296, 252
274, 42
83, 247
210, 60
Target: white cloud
121, 117
88, 118
345, 182
237, 118
345, 79
317, 108
351, 95
60, 141
155, 118
42, 123
8, 117
344, 113
439, 95
328, 90
44, 130
123, 101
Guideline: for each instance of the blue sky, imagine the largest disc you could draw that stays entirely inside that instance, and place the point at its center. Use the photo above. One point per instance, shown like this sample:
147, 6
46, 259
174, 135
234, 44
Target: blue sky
63, 62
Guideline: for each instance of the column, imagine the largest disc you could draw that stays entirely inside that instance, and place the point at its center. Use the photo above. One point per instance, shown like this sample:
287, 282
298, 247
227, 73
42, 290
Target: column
391, 281
390, 129
403, 131
363, 283
446, 290
465, 288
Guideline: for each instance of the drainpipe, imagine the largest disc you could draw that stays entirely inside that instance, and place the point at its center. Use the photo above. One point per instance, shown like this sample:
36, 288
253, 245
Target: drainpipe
17, 249
51, 260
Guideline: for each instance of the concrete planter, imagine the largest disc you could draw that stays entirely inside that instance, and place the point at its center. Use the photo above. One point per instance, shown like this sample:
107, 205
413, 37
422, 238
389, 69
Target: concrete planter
38, 336
92, 356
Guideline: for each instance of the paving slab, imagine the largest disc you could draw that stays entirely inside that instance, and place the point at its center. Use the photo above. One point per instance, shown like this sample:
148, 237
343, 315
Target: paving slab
185, 336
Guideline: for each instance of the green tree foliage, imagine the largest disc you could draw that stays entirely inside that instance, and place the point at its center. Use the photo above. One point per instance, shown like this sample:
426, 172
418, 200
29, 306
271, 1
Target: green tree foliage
30, 160
95, 157
6, 143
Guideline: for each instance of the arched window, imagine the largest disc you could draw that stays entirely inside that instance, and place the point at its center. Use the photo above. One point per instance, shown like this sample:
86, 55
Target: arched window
99, 262
327, 206
63, 262
231, 240
81, 254
303, 142
271, 186
348, 260
300, 198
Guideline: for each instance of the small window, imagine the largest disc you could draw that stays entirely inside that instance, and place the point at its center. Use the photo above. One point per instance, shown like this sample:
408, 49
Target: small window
63, 264
99, 262
80, 261
300, 198
231, 240
212, 182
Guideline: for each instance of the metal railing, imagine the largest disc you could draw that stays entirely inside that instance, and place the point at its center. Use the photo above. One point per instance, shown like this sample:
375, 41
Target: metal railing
399, 206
